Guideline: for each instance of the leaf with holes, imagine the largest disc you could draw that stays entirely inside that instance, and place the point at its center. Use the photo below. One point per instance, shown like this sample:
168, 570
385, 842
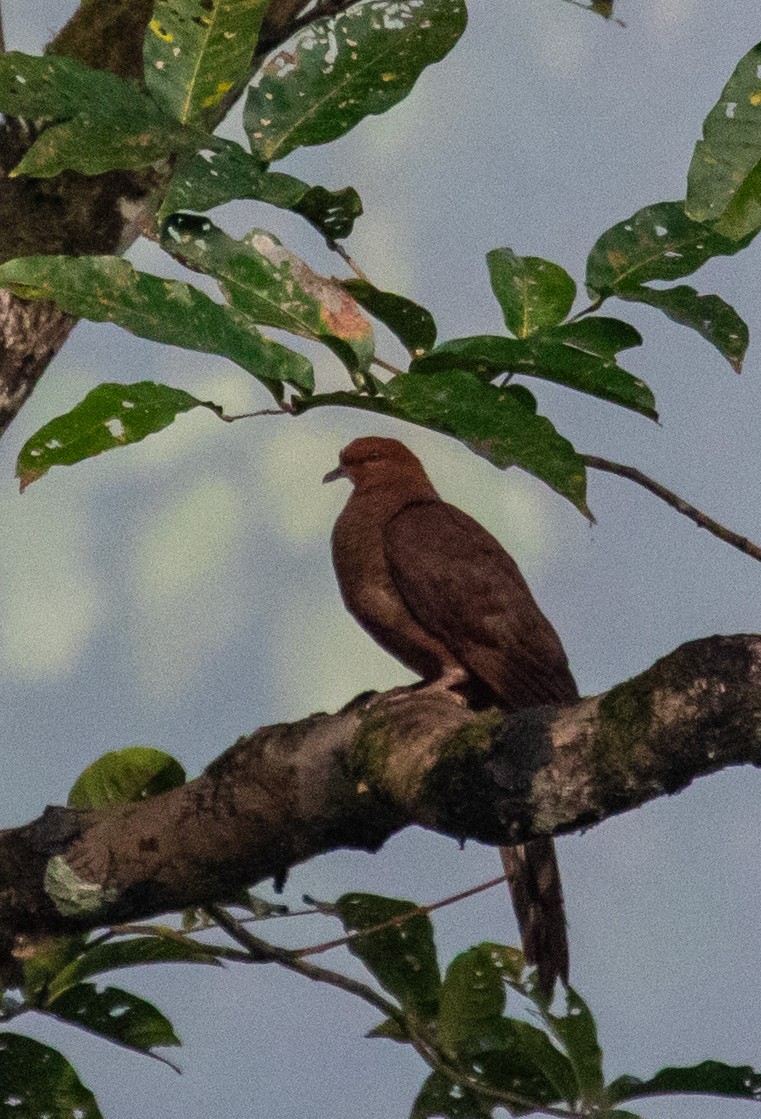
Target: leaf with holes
197, 51
109, 289
533, 293
339, 70
493, 422
110, 416
269, 284
226, 171
472, 1000
411, 323
659, 242
107, 122
37, 1080
578, 358
116, 1015
401, 957
709, 1078
129, 775
709, 315
724, 181
440, 1096
576, 1031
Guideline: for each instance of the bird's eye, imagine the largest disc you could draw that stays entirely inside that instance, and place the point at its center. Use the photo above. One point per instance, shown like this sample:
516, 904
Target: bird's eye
374, 456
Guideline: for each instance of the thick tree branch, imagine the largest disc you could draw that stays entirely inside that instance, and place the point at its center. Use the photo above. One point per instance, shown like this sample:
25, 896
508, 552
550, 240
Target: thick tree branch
289, 792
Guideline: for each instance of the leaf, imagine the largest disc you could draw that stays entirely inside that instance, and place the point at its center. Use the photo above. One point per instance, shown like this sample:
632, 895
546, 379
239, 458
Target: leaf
709, 1078
38, 1081
109, 289
439, 1096
339, 70
43, 961
566, 362
411, 323
659, 242
723, 180
268, 283
709, 315
196, 51
401, 957
492, 422
125, 777
132, 952
598, 334
533, 293
577, 1032
110, 416
389, 1029
116, 1015
472, 1001
217, 175
108, 122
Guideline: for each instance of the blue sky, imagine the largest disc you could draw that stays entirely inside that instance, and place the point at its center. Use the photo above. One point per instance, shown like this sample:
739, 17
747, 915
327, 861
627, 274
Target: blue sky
180, 593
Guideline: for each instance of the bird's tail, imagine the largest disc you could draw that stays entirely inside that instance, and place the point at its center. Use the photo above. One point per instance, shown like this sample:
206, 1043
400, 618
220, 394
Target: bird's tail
534, 880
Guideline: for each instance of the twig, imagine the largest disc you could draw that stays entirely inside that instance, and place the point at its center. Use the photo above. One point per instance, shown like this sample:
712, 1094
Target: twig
387, 366
701, 519
338, 248
418, 911
262, 951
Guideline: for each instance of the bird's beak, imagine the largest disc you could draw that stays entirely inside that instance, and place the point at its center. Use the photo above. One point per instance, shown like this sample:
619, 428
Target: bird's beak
332, 475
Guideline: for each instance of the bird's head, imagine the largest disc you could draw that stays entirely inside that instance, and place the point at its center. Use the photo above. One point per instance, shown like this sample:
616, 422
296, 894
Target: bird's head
373, 461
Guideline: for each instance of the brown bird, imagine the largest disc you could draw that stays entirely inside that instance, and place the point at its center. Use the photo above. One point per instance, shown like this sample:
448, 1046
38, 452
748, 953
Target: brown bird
436, 590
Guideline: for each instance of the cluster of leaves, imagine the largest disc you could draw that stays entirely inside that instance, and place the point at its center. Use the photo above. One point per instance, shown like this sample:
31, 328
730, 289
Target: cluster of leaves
337, 71
479, 1058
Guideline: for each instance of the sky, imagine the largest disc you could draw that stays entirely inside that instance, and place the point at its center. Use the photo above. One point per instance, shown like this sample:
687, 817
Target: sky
180, 593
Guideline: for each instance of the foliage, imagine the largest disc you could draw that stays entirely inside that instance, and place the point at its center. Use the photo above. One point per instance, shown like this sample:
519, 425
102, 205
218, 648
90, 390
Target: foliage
338, 71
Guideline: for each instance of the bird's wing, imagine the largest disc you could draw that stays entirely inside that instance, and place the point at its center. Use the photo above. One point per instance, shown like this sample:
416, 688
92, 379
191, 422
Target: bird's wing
463, 587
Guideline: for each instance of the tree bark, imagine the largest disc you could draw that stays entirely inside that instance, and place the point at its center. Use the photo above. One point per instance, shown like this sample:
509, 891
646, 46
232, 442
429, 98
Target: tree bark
291, 791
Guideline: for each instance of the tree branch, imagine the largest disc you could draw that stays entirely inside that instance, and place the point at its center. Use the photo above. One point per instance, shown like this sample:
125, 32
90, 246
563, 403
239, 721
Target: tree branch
289, 792
702, 520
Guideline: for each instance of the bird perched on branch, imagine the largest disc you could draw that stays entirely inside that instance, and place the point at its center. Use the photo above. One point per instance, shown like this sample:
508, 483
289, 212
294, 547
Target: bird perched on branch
437, 591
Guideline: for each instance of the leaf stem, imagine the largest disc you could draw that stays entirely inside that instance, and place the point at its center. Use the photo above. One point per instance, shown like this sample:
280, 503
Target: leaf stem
702, 520
336, 247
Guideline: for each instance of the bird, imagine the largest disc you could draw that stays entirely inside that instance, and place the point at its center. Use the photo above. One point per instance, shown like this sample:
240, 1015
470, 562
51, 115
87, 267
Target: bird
436, 590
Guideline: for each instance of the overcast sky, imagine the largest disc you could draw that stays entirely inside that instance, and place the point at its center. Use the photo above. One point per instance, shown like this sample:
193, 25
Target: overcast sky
180, 593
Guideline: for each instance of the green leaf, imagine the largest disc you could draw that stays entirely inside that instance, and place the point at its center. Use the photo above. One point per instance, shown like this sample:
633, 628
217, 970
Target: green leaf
268, 283
439, 1096
568, 361
38, 1081
116, 1015
494, 423
108, 122
196, 51
546, 1074
110, 416
46, 960
659, 242
339, 70
125, 777
709, 1078
411, 323
472, 1000
577, 1032
724, 181
217, 175
390, 1030
132, 952
709, 315
109, 289
597, 334
401, 957
533, 293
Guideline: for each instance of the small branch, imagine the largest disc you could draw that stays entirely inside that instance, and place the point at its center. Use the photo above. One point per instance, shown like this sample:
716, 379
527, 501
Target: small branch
701, 519
590, 310
387, 366
261, 951
338, 248
419, 911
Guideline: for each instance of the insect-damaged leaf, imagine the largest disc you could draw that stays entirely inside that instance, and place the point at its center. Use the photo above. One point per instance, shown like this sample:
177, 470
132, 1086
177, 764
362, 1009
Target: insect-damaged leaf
109, 289
110, 416
196, 51
339, 70
268, 283
533, 293
42, 1082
